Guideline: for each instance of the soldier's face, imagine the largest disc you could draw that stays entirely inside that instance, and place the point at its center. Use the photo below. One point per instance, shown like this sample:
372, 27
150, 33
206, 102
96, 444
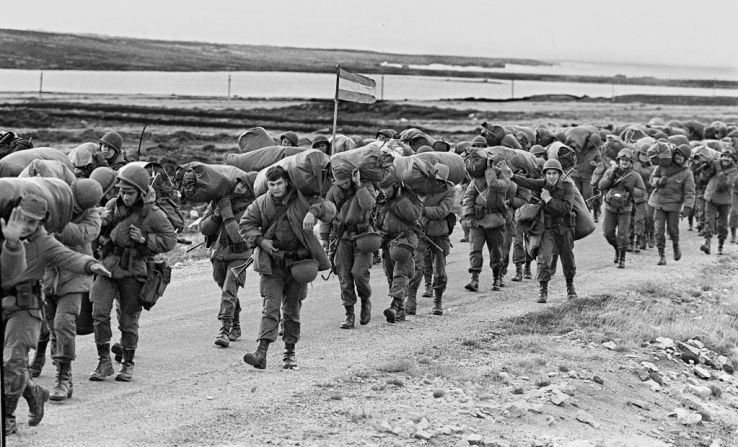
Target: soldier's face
29, 225
678, 159
278, 188
552, 176
624, 163
382, 137
108, 152
286, 142
388, 191
129, 194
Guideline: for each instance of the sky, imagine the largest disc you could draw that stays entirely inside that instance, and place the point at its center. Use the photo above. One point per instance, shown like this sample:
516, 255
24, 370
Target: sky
673, 32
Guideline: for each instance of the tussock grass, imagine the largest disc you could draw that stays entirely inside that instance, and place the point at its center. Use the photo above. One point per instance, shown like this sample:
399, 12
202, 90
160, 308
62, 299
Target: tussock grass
396, 366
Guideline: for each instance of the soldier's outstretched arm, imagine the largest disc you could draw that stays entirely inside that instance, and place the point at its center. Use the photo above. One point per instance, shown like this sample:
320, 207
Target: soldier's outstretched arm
54, 253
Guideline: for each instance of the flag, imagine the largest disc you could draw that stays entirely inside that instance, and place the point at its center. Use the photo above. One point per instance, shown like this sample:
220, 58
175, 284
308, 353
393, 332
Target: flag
355, 88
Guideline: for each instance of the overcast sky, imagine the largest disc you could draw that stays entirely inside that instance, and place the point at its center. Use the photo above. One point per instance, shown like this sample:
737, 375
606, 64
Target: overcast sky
675, 32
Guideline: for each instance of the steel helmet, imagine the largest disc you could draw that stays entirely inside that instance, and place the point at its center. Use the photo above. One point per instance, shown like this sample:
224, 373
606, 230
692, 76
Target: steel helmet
625, 153
105, 176
87, 193
136, 176
368, 242
304, 271
112, 139
479, 141
537, 149
684, 150
552, 164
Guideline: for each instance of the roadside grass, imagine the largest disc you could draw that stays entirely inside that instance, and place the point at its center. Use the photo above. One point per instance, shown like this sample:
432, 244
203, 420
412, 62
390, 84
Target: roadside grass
678, 310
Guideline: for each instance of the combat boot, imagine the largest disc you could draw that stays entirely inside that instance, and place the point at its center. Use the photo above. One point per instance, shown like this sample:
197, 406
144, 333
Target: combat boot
289, 361
543, 292
125, 374
223, 339
721, 242
496, 281
235, 332
104, 365
348, 323
677, 250
473, 285
39, 359
63, 382
411, 304
527, 273
400, 314
621, 261
571, 292
662, 257
117, 349
503, 272
437, 303
636, 245
366, 311
10, 403
395, 312
617, 256
35, 396
705, 248
518, 272
629, 248
258, 358
428, 291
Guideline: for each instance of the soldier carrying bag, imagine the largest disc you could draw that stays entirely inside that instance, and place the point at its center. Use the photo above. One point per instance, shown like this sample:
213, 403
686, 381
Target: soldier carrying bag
158, 276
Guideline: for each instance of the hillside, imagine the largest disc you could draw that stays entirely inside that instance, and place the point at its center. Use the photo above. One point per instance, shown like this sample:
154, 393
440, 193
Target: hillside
34, 50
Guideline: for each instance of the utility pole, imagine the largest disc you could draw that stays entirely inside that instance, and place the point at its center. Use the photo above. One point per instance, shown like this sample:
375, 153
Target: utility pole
229, 86
381, 90
41, 86
512, 88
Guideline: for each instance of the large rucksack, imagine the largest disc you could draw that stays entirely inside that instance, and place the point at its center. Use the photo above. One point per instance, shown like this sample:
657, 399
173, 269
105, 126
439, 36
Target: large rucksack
164, 189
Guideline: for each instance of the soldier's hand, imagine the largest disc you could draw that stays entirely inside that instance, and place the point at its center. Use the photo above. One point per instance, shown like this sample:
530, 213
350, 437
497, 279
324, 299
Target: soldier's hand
308, 222
13, 229
99, 269
135, 233
325, 244
268, 246
505, 169
545, 195
356, 177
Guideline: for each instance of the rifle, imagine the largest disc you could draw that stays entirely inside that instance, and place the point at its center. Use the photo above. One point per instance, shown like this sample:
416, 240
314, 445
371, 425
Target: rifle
196, 246
419, 229
332, 248
239, 269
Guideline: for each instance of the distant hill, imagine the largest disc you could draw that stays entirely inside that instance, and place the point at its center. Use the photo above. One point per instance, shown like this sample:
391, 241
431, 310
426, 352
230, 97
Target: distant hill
55, 51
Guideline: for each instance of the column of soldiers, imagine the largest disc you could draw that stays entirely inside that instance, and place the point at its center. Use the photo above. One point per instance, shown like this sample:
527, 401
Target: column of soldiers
645, 190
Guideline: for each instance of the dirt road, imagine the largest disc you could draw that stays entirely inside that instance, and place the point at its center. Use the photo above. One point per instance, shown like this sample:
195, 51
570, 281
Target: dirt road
186, 391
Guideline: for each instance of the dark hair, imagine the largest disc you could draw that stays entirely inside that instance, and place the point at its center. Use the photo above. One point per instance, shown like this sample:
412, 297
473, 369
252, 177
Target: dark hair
277, 172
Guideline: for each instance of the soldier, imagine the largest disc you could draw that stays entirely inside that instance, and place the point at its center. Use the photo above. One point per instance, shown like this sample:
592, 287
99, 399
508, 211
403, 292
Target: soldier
643, 214
111, 146
734, 214
481, 143
396, 218
557, 202
228, 252
106, 177
321, 143
133, 230
354, 201
280, 225
385, 135
289, 139
620, 184
64, 290
520, 256
672, 196
722, 173
86, 158
435, 245
485, 210
21, 308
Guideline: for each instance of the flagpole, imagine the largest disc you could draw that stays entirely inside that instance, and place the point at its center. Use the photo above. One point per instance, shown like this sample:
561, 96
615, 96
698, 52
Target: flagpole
335, 106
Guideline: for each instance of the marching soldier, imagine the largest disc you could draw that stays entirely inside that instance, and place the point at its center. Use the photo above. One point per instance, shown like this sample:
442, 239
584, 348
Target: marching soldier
557, 202
620, 184
436, 245
134, 229
354, 201
718, 198
21, 301
279, 224
642, 215
228, 252
673, 196
396, 218
485, 210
